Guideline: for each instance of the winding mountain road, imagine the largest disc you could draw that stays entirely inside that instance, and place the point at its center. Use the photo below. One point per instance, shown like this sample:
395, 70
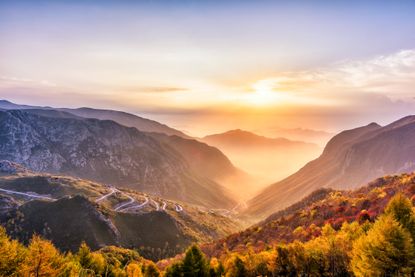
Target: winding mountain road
156, 204
136, 206
113, 190
28, 194
178, 208
125, 206
131, 201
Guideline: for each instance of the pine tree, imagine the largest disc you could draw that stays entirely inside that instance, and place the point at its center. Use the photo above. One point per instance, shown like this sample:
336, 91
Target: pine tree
194, 263
175, 270
400, 207
84, 256
386, 250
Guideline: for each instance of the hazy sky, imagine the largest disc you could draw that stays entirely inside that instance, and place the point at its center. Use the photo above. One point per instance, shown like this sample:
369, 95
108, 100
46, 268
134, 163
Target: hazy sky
208, 66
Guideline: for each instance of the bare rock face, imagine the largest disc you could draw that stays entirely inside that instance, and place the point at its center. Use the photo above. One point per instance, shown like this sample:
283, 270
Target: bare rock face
8, 167
104, 151
7, 204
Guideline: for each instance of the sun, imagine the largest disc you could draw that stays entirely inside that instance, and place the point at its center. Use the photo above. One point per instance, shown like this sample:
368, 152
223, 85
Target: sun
263, 93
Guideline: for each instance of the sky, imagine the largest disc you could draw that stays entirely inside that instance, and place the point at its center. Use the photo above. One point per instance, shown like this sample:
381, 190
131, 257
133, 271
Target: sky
210, 66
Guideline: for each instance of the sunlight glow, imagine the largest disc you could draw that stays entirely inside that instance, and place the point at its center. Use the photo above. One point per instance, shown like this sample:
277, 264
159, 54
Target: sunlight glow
264, 93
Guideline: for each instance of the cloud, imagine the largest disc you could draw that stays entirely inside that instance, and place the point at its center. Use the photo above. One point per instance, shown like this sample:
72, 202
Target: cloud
14, 81
150, 89
392, 75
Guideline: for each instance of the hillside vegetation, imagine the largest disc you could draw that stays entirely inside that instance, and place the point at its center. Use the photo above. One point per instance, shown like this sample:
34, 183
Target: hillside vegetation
366, 247
305, 219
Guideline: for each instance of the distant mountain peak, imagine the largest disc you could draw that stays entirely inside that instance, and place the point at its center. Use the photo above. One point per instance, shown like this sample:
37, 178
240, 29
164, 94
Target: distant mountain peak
373, 124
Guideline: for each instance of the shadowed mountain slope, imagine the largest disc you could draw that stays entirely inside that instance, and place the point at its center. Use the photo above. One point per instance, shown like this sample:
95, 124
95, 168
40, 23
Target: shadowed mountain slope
62, 208
349, 160
104, 151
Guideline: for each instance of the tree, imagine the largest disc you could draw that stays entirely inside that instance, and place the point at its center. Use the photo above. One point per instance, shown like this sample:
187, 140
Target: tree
194, 263
236, 268
283, 264
175, 270
12, 254
98, 263
400, 207
42, 259
216, 268
71, 268
386, 250
151, 270
84, 256
134, 270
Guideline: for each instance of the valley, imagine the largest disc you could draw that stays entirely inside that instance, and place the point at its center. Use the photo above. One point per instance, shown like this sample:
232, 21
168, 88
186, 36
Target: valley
207, 138
264, 159
159, 194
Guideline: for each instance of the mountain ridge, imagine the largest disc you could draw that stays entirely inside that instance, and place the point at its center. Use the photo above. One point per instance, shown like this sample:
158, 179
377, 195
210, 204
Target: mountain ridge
103, 150
349, 159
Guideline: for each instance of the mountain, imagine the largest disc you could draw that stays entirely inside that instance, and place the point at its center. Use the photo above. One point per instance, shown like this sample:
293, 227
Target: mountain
309, 135
105, 151
267, 159
304, 220
349, 160
61, 208
208, 162
127, 119
123, 118
7, 105
203, 158
241, 138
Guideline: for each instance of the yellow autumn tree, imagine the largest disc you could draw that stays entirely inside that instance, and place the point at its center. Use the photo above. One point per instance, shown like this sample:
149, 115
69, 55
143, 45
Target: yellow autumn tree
386, 250
134, 270
12, 253
42, 259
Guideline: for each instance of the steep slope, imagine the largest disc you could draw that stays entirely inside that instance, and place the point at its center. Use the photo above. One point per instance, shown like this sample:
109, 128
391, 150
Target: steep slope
207, 162
61, 209
349, 160
197, 153
104, 151
304, 219
268, 159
